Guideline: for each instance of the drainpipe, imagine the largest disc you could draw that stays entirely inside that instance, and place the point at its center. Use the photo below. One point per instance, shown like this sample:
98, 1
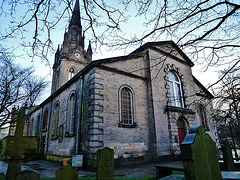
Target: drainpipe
80, 117
48, 129
150, 107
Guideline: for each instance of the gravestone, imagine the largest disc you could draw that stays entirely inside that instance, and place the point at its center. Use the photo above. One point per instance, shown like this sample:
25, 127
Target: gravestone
228, 163
199, 156
28, 175
67, 172
105, 164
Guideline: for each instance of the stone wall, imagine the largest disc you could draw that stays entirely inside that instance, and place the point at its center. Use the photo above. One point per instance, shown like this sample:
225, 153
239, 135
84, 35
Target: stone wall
93, 114
103, 120
63, 144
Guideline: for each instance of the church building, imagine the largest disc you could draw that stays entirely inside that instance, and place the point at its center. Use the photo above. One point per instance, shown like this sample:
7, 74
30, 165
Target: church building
145, 100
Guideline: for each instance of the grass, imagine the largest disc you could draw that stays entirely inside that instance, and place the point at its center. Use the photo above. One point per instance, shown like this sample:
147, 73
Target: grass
178, 172
148, 177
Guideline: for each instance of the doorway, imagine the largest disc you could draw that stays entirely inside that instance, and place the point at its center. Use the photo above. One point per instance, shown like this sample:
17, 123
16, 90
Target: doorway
182, 129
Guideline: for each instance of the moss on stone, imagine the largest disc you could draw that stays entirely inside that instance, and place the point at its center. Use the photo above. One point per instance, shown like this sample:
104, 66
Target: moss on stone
105, 164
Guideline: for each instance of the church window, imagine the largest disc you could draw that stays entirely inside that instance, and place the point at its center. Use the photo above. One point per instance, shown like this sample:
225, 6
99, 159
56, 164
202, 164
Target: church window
175, 88
55, 120
31, 127
72, 113
202, 116
45, 119
37, 126
71, 73
126, 106
58, 78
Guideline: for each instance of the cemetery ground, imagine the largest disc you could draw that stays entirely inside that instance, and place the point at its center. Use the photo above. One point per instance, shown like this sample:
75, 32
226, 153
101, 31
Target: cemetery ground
47, 170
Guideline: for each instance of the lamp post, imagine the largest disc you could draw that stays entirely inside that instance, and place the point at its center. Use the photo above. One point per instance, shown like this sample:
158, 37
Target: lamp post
15, 161
229, 124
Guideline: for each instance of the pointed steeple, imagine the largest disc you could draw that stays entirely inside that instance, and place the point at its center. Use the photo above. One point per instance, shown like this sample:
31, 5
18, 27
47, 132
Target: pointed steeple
57, 55
89, 52
76, 20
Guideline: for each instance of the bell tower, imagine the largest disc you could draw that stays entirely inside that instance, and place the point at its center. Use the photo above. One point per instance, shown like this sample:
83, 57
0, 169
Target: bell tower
70, 57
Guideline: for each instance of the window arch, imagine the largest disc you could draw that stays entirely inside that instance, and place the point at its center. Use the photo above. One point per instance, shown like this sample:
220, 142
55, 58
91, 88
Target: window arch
55, 119
45, 119
126, 106
175, 88
202, 115
72, 113
71, 72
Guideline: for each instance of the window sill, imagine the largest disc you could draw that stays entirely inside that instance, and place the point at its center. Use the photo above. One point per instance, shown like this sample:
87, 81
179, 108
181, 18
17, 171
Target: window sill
67, 135
128, 125
179, 109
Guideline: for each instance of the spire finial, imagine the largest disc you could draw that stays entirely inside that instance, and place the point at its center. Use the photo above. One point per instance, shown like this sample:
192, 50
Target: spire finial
76, 20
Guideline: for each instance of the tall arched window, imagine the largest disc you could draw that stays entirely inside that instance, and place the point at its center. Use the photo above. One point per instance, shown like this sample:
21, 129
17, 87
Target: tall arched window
126, 98
72, 113
71, 73
175, 88
45, 119
202, 115
37, 126
55, 120
31, 126
58, 78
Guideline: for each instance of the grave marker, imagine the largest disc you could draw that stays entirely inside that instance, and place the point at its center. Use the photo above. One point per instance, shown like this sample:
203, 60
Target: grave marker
67, 172
105, 164
227, 156
199, 156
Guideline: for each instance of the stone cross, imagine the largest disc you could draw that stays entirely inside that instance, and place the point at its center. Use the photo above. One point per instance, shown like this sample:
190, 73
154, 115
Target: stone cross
17, 149
105, 164
199, 156
227, 156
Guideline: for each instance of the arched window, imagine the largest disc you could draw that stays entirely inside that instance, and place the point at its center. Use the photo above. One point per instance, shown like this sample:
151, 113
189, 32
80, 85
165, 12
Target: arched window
31, 126
72, 113
45, 119
176, 95
202, 115
55, 120
37, 126
71, 73
58, 78
126, 99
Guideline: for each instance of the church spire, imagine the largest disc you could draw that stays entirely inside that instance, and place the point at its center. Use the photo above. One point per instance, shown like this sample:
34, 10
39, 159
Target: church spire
76, 20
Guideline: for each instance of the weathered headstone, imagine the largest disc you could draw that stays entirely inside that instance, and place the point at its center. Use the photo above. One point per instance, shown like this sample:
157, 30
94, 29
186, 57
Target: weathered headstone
199, 156
67, 172
28, 175
228, 163
105, 164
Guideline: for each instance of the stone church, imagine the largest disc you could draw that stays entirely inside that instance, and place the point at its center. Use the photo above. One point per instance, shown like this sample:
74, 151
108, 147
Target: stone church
145, 100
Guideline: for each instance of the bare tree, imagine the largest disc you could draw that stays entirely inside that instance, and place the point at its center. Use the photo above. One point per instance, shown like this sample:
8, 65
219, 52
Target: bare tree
18, 86
207, 30
228, 101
